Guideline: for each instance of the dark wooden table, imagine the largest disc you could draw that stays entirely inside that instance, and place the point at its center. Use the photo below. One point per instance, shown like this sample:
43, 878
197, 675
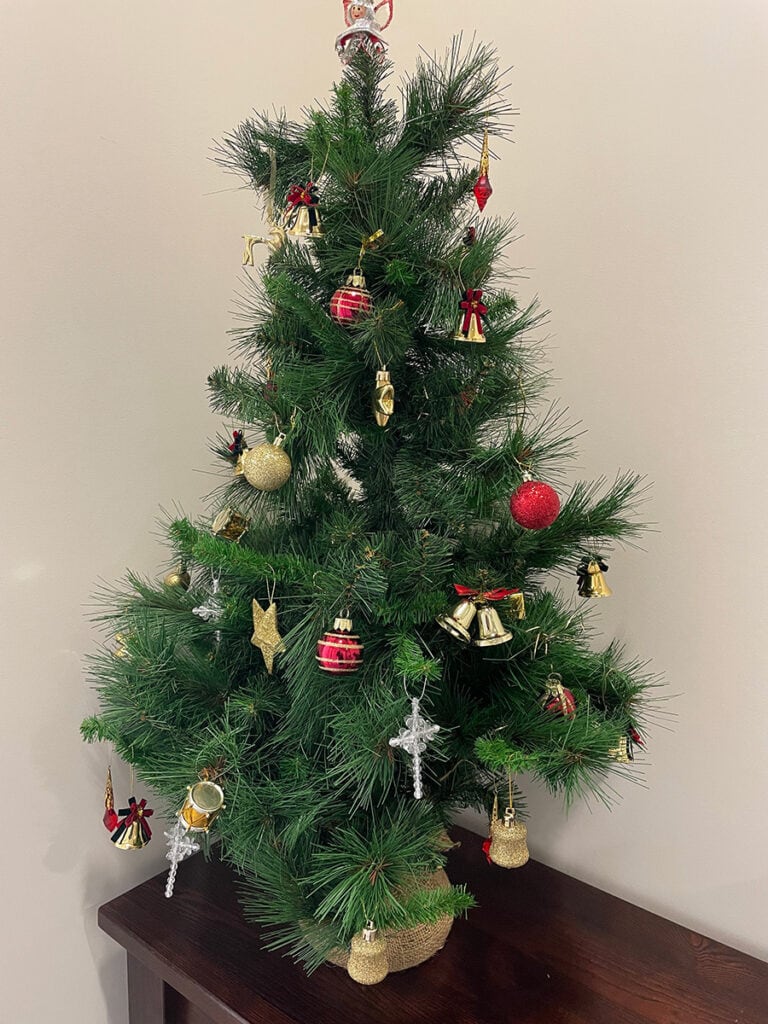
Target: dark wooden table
541, 949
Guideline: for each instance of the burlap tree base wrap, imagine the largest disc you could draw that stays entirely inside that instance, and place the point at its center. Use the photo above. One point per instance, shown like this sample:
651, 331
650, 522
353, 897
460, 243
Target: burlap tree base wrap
409, 947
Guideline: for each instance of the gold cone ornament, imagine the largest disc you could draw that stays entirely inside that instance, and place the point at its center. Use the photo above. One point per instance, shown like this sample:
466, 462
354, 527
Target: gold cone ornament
229, 525
383, 397
489, 627
591, 580
458, 621
267, 467
368, 957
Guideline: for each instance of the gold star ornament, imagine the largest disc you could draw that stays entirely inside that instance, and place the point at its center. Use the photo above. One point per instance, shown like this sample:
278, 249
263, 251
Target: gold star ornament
265, 634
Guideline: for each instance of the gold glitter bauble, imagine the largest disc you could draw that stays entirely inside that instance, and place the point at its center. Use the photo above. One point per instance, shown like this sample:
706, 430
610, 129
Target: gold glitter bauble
368, 957
266, 467
509, 847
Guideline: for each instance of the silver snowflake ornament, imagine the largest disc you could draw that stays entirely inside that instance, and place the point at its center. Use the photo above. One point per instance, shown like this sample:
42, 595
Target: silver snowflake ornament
413, 739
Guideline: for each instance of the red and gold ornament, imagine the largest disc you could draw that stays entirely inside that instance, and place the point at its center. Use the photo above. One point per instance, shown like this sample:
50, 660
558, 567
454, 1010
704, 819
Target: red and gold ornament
339, 651
133, 832
534, 505
473, 309
483, 190
557, 698
352, 301
110, 818
301, 211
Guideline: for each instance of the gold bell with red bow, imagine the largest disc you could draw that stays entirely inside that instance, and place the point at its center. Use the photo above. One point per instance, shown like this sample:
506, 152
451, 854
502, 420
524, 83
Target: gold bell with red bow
473, 309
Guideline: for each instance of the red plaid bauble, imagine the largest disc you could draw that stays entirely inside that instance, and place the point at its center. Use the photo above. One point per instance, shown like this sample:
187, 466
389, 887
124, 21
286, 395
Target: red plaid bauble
351, 302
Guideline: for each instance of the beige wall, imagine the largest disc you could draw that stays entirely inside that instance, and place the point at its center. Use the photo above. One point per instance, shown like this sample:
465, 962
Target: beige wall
638, 176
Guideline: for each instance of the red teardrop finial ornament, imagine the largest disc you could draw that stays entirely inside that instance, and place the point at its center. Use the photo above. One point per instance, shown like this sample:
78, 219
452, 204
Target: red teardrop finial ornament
483, 189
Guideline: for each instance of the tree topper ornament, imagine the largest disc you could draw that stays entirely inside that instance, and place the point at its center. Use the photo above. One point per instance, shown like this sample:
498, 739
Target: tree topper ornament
413, 739
363, 31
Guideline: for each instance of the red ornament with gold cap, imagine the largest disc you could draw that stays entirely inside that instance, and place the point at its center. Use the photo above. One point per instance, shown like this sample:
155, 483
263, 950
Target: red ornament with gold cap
483, 189
352, 301
534, 505
339, 651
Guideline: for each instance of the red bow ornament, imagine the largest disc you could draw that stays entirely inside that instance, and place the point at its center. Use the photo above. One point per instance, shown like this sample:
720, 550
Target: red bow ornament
474, 309
135, 812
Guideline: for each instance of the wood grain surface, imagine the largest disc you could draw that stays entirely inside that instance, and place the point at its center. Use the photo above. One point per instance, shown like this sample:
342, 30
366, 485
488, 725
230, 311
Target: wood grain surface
541, 948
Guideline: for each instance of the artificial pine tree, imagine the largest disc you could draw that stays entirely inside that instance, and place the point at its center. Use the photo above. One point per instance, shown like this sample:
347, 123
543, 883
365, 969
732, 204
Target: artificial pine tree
375, 453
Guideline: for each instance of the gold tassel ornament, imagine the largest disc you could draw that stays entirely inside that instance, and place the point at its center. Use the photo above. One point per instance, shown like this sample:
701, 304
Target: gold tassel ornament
368, 957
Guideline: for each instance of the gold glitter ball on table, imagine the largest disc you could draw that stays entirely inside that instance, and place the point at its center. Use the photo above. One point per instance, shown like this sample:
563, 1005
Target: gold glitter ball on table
368, 957
509, 846
265, 633
178, 577
267, 467
229, 525
204, 803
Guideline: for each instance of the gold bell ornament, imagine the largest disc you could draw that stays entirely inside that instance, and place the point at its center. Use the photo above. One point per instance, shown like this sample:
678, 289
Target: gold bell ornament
473, 309
589, 573
368, 957
229, 525
133, 832
458, 621
383, 397
301, 212
237, 449
178, 577
204, 803
267, 467
508, 847
489, 627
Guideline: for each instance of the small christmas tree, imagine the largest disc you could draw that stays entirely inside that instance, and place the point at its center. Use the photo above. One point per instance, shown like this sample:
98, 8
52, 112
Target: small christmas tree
361, 639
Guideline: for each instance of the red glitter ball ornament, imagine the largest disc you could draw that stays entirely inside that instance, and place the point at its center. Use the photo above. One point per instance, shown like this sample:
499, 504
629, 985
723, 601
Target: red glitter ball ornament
351, 302
339, 650
534, 505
